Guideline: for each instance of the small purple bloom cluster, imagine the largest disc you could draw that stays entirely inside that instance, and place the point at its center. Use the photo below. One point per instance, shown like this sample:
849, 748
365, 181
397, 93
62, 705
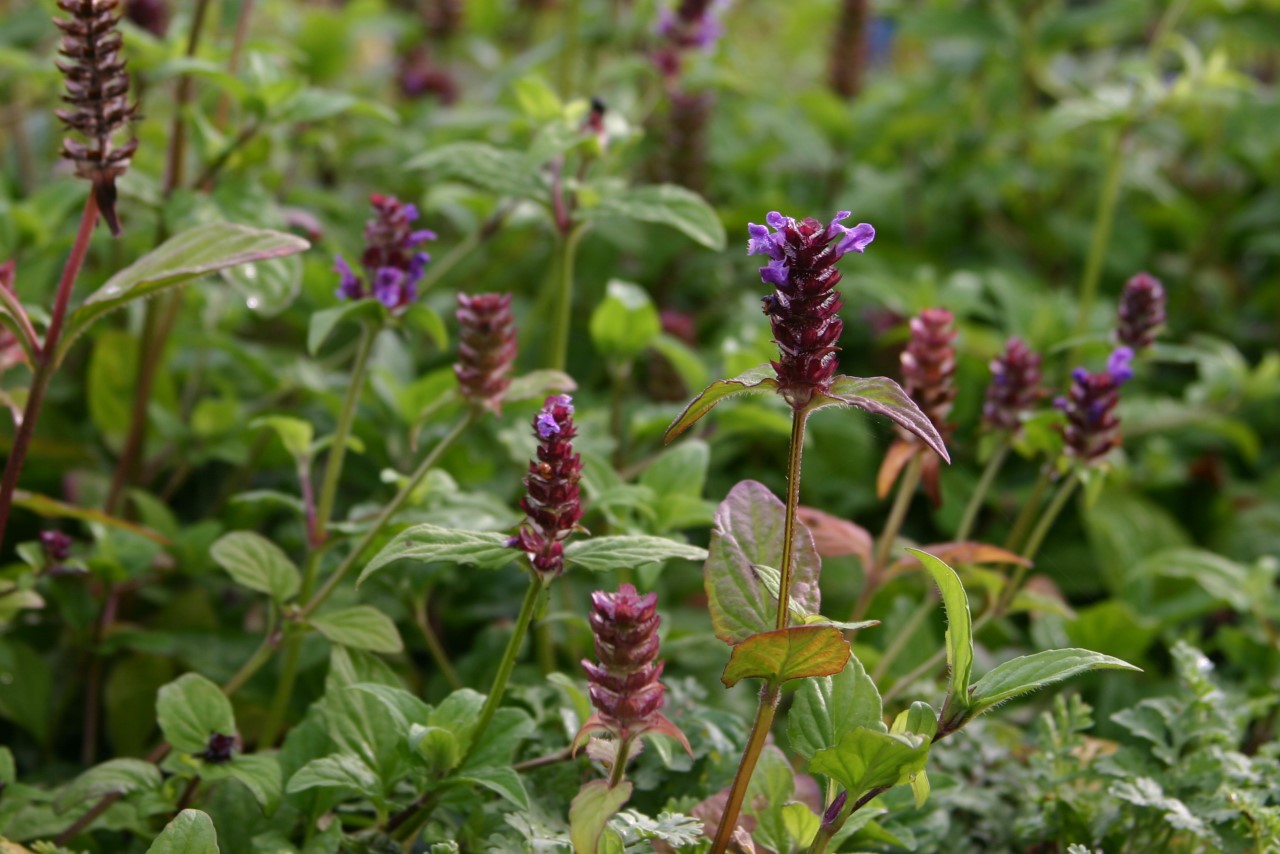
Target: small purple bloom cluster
803, 307
1093, 428
1014, 388
693, 23
624, 686
1141, 314
552, 503
391, 259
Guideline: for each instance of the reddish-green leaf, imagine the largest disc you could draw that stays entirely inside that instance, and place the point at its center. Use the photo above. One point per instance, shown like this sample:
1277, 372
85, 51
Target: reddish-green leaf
796, 653
758, 380
883, 396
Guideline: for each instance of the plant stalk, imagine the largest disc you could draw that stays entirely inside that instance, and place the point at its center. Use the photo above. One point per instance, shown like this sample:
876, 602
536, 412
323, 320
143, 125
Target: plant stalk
1102, 226
769, 695
45, 361
564, 299
898, 513
799, 417
979, 496
441, 658
1028, 514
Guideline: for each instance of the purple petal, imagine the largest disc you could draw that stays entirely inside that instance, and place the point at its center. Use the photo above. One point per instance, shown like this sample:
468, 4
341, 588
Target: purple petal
1120, 365
776, 219
410, 211
774, 273
758, 242
349, 286
421, 236
856, 239
545, 424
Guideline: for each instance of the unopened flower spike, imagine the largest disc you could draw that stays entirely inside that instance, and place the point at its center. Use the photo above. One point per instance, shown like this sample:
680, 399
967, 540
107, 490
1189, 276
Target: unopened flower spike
1141, 314
393, 261
486, 349
624, 685
552, 502
1015, 386
1092, 427
98, 95
803, 309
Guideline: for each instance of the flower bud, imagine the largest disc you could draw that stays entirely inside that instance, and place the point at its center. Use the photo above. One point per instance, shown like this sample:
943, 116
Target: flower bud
552, 503
486, 348
1093, 427
1141, 313
929, 366
1014, 388
624, 686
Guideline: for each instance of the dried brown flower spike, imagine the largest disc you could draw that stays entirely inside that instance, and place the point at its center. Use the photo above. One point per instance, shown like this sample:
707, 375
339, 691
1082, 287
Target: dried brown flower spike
98, 92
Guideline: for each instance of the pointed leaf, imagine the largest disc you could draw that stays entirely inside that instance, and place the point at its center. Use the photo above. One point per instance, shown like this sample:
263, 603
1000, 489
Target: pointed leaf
190, 832
883, 396
190, 709
431, 544
591, 810
664, 204
966, 552
257, 563
826, 708
758, 380
747, 533
505, 781
865, 759
959, 627
536, 385
345, 771
1031, 672
796, 653
360, 627
257, 772
113, 777
601, 554
197, 252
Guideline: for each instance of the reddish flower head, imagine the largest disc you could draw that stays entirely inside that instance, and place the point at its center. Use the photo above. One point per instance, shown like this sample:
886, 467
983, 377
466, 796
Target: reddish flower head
1014, 388
929, 366
392, 260
486, 348
1093, 428
552, 503
1141, 314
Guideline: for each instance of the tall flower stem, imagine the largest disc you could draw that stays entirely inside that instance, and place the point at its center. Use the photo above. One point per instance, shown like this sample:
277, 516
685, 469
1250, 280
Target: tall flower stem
45, 361
898, 513
979, 496
1028, 515
1102, 226
422, 617
1051, 513
769, 696
770, 693
508, 663
564, 298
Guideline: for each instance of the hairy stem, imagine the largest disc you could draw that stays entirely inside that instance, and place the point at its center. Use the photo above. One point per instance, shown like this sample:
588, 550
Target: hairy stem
799, 417
564, 299
979, 496
769, 695
45, 361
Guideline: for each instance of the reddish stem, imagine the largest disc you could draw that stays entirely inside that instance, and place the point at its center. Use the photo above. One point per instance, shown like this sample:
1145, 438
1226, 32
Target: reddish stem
45, 361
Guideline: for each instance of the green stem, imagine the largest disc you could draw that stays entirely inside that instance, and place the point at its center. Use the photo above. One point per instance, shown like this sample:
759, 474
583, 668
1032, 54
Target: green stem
1102, 225
279, 709
979, 496
1028, 514
904, 636
338, 450
569, 56
1051, 514
46, 361
898, 513
422, 617
564, 299
260, 657
799, 417
619, 762
769, 695
508, 663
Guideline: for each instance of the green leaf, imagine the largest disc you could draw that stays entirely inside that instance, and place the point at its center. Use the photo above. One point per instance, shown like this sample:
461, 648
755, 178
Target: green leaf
14, 318
324, 322
959, 628
883, 396
29, 707
663, 204
403, 706
190, 832
602, 554
829, 706
747, 533
625, 322
345, 771
257, 772
591, 810
113, 777
505, 781
190, 709
758, 380
1031, 672
268, 287
501, 739
500, 171
918, 719
197, 252
360, 627
433, 544
439, 748
536, 385
8, 771
866, 759
295, 434
683, 358
801, 824
257, 563
796, 653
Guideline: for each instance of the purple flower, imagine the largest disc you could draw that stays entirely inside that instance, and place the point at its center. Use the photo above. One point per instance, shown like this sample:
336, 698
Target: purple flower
1014, 388
693, 24
1141, 314
1120, 365
552, 502
57, 545
389, 258
486, 349
349, 285
545, 425
803, 307
1092, 427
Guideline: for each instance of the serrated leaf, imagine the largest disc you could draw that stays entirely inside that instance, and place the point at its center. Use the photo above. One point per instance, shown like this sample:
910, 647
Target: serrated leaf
190, 709
115, 776
345, 771
360, 627
826, 708
1032, 672
663, 204
197, 252
883, 396
802, 652
865, 759
190, 832
959, 627
602, 554
434, 544
758, 380
747, 533
257, 563
591, 810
